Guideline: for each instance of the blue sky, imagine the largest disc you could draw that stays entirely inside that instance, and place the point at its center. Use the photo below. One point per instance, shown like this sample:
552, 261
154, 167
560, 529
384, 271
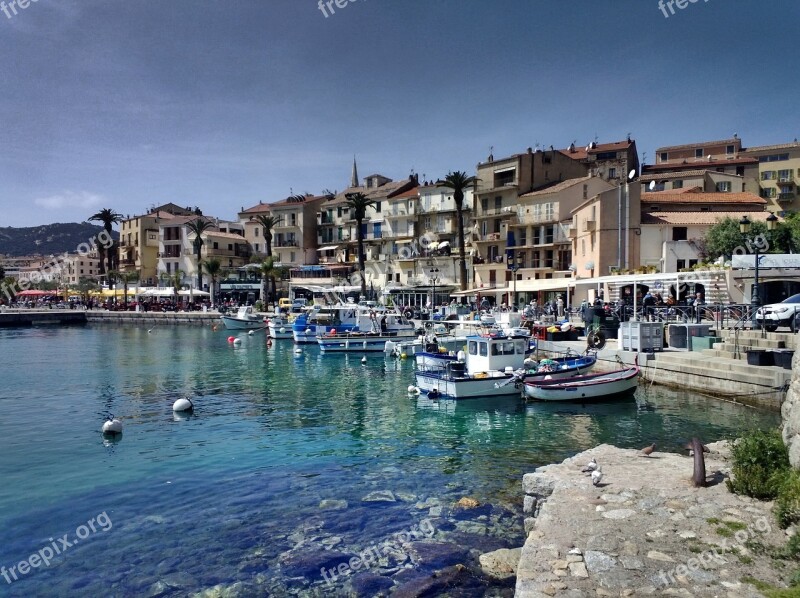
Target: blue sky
224, 103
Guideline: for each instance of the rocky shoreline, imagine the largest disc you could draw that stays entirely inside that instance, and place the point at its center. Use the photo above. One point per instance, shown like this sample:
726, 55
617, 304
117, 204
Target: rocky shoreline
645, 530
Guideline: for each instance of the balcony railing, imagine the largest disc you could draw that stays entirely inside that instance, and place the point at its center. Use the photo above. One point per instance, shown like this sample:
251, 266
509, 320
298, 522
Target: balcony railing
786, 196
526, 215
286, 243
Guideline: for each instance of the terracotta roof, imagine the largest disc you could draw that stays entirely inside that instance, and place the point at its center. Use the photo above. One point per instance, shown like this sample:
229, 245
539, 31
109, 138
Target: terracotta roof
701, 218
259, 209
667, 148
179, 220
768, 148
674, 175
557, 187
307, 199
693, 165
692, 195
582, 153
221, 235
411, 193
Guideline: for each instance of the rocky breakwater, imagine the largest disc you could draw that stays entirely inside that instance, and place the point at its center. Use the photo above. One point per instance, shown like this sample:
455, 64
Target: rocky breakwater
790, 413
643, 530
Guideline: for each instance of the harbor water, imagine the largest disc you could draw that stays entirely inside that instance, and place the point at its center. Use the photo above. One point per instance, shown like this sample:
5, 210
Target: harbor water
289, 464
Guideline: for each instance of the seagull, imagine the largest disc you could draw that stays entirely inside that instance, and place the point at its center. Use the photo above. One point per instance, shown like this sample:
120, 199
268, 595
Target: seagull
648, 450
597, 475
591, 466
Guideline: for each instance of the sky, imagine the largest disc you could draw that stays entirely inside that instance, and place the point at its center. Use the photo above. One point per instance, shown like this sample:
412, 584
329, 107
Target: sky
222, 104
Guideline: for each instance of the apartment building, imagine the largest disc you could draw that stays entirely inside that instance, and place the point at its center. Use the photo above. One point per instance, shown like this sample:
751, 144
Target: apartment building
611, 162
778, 173
498, 189
253, 230
710, 181
723, 156
139, 240
673, 223
294, 238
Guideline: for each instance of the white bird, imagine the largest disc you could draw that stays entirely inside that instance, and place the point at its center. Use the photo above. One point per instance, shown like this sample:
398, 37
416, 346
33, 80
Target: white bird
597, 476
591, 466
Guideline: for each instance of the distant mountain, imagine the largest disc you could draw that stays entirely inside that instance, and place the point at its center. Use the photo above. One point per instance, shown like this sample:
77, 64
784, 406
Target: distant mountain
49, 239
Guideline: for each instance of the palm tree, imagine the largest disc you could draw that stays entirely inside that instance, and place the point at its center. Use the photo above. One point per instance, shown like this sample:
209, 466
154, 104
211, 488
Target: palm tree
108, 217
269, 272
213, 268
198, 228
267, 224
458, 181
174, 280
358, 204
125, 278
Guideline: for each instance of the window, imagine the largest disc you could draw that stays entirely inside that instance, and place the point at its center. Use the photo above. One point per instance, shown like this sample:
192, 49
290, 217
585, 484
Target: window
548, 258
339, 211
607, 156
740, 170
664, 156
681, 264
505, 177
376, 230
498, 203
257, 248
679, 233
586, 192
692, 263
256, 232
473, 347
677, 184
497, 225
612, 173
784, 176
293, 219
378, 206
216, 245
769, 175
483, 349
724, 187
291, 256
485, 204
729, 149
523, 237
698, 153
583, 246
774, 158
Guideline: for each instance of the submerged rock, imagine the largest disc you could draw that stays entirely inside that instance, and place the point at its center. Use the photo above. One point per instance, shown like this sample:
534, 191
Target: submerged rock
501, 564
367, 585
310, 563
331, 504
380, 496
433, 585
436, 555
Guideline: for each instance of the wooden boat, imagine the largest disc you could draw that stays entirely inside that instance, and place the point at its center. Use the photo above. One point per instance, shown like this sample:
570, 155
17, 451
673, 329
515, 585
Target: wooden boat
280, 327
591, 387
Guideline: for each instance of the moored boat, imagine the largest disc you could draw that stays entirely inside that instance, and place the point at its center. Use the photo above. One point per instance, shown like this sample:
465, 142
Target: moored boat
245, 319
600, 386
279, 327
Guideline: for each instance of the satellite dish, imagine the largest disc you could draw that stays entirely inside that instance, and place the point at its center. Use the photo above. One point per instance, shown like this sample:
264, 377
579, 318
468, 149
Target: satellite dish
708, 157
631, 174
652, 185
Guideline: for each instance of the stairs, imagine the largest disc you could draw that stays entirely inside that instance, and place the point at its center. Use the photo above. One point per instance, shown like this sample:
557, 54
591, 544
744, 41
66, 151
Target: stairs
723, 371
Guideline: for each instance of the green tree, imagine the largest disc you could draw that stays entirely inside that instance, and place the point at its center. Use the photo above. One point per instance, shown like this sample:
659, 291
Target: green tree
358, 204
175, 280
459, 182
198, 228
85, 286
269, 272
213, 268
108, 218
724, 238
267, 224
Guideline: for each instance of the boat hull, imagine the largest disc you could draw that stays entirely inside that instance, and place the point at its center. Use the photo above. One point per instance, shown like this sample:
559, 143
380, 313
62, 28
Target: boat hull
568, 367
280, 329
584, 388
232, 323
357, 343
494, 385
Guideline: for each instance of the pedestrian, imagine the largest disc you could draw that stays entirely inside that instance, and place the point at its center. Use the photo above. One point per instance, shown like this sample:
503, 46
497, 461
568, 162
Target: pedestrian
698, 310
560, 307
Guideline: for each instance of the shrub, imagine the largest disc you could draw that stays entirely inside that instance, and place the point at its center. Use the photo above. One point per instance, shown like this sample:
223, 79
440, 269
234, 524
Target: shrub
787, 503
760, 464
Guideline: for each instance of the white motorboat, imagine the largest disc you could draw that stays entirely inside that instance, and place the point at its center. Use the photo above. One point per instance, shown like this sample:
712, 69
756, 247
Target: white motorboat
601, 386
279, 327
245, 319
488, 370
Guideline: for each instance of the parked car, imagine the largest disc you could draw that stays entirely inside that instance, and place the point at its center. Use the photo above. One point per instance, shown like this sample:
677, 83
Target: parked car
775, 315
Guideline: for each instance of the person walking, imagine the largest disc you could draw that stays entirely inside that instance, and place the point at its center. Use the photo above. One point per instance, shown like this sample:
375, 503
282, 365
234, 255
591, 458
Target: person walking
698, 310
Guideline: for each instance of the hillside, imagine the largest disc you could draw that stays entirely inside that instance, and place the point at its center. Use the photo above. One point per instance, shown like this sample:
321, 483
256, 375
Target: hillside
47, 239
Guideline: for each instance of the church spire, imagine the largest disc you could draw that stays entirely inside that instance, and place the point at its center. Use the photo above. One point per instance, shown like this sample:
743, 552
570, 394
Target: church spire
354, 176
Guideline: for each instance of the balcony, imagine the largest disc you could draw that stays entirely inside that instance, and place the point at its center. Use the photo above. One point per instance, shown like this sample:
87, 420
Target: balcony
530, 216
786, 196
285, 243
589, 226
786, 179
491, 237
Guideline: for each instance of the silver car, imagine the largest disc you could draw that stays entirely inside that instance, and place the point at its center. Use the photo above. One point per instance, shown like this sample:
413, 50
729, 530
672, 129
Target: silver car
780, 314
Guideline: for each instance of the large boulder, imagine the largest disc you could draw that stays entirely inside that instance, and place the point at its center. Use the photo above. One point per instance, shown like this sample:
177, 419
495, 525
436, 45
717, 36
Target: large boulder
501, 564
790, 412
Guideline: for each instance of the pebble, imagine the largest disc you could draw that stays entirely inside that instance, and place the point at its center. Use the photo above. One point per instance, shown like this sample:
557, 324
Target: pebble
619, 514
578, 570
687, 535
659, 556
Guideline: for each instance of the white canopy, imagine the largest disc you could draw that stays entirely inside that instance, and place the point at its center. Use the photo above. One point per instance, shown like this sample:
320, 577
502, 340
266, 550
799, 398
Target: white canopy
328, 248
159, 292
194, 292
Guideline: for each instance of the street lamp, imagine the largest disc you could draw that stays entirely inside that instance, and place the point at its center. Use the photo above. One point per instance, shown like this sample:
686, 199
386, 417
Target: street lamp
745, 226
515, 263
434, 276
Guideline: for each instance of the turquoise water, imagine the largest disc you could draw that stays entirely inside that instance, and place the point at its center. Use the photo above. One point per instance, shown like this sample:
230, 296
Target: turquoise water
233, 493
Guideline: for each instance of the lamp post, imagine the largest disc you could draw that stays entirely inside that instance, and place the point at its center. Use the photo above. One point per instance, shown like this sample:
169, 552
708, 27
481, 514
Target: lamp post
434, 276
744, 227
514, 264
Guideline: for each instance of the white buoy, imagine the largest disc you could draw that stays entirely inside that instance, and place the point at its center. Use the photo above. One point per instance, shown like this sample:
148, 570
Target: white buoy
413, 390
298, 351
184, 404
282, 330
251, 333
308, 330
112, 426
237, 341
364, 360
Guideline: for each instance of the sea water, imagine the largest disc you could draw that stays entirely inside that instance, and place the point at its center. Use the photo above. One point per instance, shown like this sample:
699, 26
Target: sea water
286, 460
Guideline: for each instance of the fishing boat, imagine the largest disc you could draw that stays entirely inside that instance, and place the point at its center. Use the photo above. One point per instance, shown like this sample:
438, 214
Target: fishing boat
280, 327
584, 388
488, 369
321, 319
245, 319
376, 329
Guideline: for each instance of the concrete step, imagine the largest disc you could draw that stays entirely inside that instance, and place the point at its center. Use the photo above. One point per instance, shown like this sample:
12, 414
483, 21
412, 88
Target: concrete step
715, 367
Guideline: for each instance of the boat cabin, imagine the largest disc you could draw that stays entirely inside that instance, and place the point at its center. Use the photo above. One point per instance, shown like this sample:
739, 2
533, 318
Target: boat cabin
495, 352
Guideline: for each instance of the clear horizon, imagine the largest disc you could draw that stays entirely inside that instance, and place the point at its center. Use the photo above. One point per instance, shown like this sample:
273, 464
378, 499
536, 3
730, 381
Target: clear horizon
122, 105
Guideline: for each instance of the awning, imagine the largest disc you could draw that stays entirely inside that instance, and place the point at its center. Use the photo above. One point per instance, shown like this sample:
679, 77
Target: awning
193, 292
506, 169
328, 248
546, 284
483, 291
401, 241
